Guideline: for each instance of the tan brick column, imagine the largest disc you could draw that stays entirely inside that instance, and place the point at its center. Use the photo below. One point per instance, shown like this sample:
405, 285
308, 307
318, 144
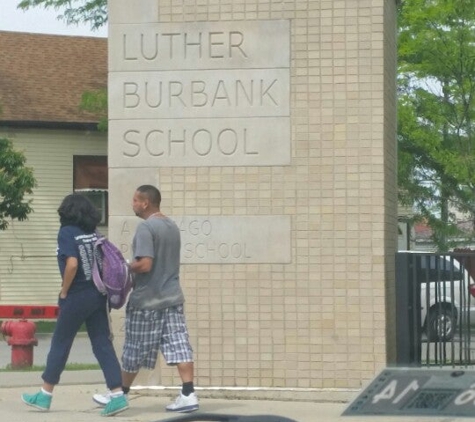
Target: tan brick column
269, 127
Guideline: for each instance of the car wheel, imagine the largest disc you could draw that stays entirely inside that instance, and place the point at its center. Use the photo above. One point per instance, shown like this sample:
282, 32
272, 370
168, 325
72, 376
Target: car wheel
441, 323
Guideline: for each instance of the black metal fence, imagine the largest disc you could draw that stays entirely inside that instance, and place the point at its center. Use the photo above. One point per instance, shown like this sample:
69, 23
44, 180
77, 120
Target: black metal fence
435, 308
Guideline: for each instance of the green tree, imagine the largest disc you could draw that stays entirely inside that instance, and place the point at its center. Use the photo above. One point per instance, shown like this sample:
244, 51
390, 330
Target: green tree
436, 111
96, 102
16, 180
92, 12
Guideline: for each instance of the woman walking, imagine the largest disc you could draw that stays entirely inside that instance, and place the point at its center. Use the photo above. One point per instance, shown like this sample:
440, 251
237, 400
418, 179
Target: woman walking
79, 302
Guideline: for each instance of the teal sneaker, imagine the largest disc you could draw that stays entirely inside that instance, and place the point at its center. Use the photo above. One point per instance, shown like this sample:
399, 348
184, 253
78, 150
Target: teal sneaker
115, 405
40, 400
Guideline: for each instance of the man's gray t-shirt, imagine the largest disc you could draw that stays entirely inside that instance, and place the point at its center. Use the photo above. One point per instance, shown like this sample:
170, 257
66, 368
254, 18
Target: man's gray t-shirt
159, 239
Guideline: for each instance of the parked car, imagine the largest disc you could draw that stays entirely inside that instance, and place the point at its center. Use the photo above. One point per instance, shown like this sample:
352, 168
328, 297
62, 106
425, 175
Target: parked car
449, 301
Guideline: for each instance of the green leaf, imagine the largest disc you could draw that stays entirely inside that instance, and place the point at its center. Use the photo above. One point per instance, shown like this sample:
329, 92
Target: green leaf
436, 111
16, 181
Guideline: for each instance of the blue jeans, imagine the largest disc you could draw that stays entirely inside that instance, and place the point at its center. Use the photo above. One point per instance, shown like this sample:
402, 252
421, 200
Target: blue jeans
83, 306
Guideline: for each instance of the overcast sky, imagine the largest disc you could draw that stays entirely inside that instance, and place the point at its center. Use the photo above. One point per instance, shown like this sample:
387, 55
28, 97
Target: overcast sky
39, 20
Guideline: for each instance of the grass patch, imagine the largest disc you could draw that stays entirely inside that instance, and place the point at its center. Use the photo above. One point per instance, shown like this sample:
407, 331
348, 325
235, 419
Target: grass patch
45, 326
69, 367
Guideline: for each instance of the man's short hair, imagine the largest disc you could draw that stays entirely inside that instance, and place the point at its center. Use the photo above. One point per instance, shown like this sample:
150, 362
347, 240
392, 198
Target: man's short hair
152, 193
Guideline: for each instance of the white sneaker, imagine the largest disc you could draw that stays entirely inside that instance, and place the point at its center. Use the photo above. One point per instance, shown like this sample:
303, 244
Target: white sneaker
104, 399
184, 404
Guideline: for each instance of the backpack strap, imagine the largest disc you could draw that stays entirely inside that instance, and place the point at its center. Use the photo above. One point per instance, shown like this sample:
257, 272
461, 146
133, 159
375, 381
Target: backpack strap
96, 274
96, 277
109, 319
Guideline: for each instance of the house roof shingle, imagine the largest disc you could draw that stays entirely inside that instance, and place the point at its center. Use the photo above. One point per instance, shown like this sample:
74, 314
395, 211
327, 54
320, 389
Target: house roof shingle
42, 77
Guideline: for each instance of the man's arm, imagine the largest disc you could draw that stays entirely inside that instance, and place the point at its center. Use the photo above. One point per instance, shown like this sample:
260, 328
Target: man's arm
141, 265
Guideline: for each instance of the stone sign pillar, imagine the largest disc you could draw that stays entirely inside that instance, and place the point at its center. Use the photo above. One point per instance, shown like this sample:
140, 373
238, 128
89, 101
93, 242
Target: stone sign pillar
269, 128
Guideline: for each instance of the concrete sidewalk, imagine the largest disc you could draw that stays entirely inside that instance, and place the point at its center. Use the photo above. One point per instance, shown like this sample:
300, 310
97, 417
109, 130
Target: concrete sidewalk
72, 403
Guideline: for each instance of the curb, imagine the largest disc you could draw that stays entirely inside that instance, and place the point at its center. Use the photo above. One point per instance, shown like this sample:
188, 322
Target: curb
27, 379
96, 377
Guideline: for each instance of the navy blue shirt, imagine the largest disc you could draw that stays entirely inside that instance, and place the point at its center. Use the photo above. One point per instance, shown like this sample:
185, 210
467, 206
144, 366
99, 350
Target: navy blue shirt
75, 242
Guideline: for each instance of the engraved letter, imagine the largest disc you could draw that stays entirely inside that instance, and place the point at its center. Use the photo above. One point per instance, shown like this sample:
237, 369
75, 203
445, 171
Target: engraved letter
130, 142
215, 43
171, 35
131, 90
149, 141
236, 250
125, 50
221, 96
266, 91
211, 248
188, 250
172, 141
246, 151
198, 91
232, 141
249, 95
182, 226
205, 138
154, 50
125, 228
158, 101
176, 94
245, 251
203, 246
194, 228
239, 39
206, 227
198, 43
223, 250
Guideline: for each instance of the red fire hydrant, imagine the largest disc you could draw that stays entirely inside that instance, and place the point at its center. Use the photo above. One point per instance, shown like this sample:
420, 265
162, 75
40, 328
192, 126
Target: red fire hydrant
22, 339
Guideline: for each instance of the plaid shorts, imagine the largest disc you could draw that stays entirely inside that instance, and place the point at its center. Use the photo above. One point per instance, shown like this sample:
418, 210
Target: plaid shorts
147, 332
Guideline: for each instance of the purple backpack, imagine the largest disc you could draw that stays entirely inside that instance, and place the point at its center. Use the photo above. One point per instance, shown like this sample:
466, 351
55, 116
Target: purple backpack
110, 272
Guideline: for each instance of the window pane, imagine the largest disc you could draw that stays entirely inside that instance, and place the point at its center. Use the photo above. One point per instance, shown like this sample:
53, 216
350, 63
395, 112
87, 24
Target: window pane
90, 172
99, 199
90, 178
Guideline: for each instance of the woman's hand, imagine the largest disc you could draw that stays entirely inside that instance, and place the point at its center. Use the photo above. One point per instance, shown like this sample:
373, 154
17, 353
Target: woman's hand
68, 276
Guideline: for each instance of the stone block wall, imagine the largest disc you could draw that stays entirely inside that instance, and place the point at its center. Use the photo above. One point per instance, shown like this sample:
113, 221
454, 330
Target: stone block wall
269, 127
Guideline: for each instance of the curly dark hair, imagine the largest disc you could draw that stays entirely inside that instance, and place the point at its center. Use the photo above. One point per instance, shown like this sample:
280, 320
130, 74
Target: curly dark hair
77, 210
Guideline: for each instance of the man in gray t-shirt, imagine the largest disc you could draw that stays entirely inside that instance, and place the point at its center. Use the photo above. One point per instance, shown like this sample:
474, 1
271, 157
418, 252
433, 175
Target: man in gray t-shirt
157, 238
154, 315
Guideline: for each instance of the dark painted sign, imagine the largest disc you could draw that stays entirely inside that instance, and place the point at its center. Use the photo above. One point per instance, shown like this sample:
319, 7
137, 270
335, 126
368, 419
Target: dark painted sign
424, 392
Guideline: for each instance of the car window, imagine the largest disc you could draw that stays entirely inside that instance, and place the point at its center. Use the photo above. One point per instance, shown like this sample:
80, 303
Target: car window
433, 268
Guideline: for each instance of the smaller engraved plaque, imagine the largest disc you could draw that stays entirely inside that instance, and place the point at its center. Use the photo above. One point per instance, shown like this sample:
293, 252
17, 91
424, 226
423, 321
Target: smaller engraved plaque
220, 239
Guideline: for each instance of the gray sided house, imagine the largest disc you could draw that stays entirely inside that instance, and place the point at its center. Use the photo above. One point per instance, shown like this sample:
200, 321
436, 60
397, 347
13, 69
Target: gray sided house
42, 79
